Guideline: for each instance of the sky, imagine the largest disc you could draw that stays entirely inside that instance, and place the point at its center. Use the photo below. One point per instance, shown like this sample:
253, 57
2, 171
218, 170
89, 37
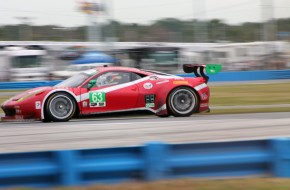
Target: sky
66, 13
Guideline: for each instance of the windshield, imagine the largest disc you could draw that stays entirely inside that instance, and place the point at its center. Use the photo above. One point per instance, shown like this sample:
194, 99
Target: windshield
74, 81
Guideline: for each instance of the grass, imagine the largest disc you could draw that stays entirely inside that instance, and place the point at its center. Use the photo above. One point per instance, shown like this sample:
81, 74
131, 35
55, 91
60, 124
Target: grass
3, 98
13, 90
238, 184
189, 184
250, 94
194, 184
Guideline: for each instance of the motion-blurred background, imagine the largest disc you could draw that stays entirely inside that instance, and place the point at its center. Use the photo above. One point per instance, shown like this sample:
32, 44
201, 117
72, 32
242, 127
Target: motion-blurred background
43, 40
52, 40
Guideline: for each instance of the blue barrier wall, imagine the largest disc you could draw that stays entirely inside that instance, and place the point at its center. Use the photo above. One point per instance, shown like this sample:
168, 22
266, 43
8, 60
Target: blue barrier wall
26, 85
153, 161
221, 77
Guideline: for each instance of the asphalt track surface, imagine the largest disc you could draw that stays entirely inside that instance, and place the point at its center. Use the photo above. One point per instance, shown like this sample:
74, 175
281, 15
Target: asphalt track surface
136, 130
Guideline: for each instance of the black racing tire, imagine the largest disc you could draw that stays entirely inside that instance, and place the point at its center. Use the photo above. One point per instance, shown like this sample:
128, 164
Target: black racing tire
46, 120
182, 102
60, 107
163, 116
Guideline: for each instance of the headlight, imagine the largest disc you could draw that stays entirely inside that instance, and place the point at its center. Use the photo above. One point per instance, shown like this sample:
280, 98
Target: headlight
30, 94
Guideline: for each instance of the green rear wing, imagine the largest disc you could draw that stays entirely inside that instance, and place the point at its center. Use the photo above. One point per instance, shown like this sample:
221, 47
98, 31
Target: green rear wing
202, 70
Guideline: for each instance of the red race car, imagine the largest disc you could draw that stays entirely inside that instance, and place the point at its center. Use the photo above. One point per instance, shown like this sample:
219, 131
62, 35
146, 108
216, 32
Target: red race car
113, 89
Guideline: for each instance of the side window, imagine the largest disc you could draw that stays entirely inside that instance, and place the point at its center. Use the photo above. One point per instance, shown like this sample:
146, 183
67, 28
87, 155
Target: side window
112, 78
135, 76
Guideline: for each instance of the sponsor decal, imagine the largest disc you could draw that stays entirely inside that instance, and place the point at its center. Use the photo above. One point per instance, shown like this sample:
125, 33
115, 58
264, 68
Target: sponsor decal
98, 104
162, 82
204, 105
213, 68
38, 105
204, 96
85, 104
18, 111
180, 82
148, 85
150, 99
150, 105
97, 99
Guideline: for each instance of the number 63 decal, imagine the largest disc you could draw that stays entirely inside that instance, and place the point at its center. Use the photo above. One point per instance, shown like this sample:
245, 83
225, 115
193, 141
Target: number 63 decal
97, 97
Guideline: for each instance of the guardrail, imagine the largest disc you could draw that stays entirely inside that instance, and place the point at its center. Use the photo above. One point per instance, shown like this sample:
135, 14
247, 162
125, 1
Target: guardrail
152, 161
221, 77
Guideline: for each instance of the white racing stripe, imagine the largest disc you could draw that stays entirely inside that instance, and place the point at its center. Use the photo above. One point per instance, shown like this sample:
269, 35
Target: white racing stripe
201, 86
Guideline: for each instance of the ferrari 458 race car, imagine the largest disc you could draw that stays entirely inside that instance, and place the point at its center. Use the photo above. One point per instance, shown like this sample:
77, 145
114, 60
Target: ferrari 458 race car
113, 89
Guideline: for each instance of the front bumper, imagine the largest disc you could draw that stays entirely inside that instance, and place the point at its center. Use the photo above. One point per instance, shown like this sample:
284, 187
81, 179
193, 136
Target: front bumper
14, 111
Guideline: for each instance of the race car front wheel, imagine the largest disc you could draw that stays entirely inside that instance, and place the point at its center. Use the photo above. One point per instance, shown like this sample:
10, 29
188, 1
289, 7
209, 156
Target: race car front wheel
182, 102
60, 107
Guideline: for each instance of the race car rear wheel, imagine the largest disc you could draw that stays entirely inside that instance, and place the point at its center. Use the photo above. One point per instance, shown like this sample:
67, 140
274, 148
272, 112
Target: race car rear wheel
60, 107
182, 101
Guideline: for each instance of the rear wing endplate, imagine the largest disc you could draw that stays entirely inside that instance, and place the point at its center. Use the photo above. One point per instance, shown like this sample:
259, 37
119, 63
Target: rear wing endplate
202, 70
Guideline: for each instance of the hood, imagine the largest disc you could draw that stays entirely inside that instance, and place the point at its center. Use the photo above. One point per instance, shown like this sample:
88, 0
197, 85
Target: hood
31, 92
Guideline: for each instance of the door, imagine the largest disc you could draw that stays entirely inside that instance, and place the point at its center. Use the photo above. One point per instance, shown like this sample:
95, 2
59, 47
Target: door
113, 91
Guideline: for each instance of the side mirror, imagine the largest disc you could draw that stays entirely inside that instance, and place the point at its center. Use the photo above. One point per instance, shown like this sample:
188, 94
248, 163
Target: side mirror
91, 84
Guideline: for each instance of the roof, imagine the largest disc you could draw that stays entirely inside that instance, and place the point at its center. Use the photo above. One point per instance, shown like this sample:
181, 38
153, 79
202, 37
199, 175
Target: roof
114, 68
